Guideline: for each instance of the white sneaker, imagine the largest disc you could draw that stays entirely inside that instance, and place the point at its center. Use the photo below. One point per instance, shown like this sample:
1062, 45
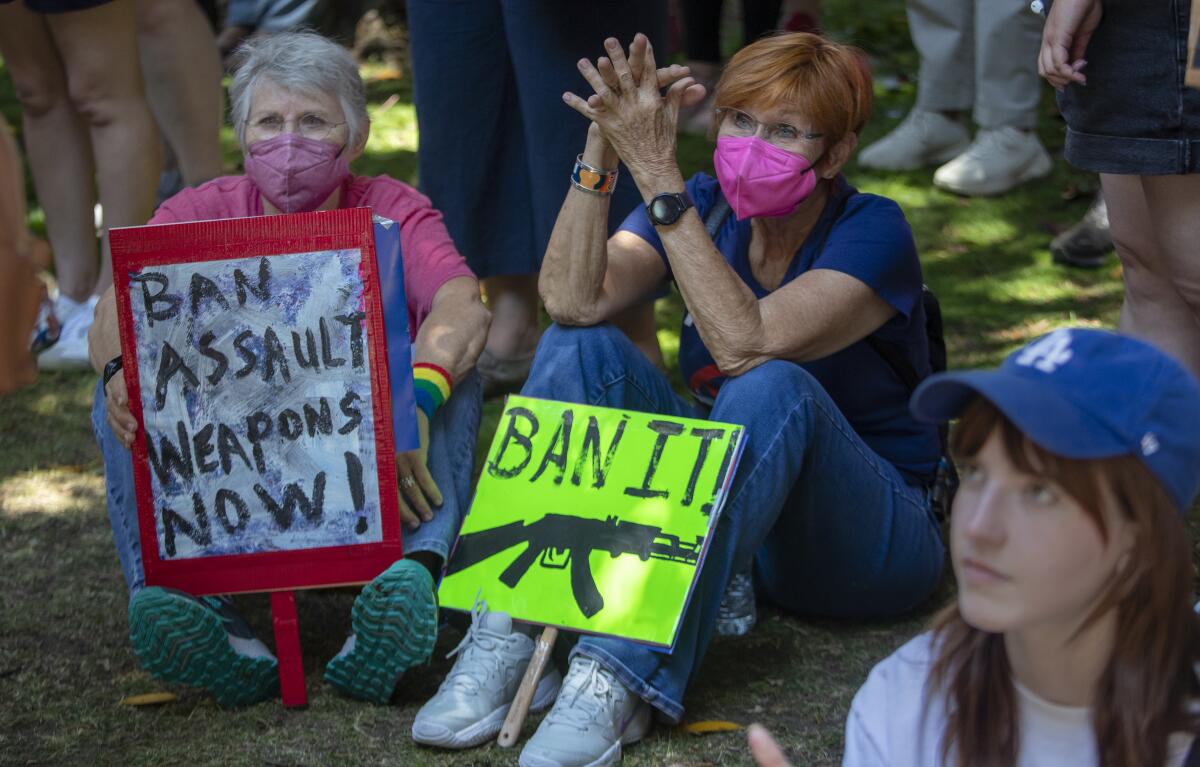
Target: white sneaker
70, 352
998, 160
472, 702
923, 138
593, 717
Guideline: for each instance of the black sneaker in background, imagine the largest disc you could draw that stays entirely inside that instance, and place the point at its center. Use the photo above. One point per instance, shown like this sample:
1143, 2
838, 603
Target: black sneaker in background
1087, 244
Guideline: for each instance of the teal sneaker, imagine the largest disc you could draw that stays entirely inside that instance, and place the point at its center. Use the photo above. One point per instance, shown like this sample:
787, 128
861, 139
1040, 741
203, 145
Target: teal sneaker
201, 642
394, 621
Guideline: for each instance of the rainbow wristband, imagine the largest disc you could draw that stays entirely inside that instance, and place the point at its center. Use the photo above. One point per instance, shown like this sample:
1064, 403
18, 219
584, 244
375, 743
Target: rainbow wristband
593, 180
431, 387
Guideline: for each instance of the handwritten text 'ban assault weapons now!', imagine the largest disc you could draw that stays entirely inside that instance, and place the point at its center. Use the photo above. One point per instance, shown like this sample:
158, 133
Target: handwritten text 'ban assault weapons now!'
613, 507
256, 390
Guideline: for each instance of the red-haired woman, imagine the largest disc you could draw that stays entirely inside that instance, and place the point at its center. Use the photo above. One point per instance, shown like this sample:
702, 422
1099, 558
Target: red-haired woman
831, 497
1072, 640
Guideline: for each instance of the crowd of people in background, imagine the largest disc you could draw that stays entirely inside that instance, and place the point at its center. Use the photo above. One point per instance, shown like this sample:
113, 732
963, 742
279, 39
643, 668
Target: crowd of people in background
549, 179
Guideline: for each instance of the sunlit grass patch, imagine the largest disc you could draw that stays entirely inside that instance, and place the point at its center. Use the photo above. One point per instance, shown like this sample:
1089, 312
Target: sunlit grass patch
52, 492
393, 127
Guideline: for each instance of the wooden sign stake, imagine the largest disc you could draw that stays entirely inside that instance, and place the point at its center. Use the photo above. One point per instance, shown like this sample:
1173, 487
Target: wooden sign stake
533, 674
287, 649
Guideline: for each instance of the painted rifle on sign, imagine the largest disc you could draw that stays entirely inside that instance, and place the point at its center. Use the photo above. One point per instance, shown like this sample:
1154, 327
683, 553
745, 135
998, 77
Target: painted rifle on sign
559, 541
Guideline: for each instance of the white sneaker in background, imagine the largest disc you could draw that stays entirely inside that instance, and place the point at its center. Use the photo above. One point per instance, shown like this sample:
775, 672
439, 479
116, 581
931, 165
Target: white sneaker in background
593, 717
70, 352
922, 138
470, 706
998, 160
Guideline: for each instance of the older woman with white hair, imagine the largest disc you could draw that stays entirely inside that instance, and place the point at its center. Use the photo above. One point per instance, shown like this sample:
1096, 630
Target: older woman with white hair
299, 109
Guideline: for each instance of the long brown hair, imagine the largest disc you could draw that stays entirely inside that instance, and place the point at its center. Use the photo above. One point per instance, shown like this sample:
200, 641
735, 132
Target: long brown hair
1144, 693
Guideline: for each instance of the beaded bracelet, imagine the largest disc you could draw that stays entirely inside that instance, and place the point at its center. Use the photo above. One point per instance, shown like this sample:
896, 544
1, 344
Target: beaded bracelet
431, 387
593, 180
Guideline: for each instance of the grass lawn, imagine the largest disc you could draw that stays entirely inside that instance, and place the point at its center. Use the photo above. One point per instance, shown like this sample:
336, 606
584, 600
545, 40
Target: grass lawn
65, 661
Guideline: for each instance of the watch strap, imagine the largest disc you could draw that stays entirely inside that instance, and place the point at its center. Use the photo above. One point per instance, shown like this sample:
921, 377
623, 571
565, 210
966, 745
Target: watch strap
111, 368
681, 202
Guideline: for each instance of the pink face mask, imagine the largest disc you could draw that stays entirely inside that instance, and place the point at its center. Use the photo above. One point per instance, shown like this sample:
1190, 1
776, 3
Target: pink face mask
759, 178
294, 173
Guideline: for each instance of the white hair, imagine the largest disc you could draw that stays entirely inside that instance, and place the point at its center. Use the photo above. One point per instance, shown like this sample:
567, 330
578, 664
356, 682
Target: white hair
303, 62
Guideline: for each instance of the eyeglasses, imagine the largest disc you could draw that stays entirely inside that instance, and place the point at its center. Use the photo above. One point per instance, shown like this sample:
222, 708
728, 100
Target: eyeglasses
309, 126
739, 123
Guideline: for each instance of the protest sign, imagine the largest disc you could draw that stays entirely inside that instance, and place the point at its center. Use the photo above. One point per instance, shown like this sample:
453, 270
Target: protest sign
255, 360
593, 519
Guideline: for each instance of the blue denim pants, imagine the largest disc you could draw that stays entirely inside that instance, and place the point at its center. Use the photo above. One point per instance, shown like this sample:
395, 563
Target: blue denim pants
452, 436
832, 528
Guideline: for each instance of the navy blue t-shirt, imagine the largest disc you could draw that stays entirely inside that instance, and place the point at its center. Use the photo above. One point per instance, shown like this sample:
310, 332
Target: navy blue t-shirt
871, 241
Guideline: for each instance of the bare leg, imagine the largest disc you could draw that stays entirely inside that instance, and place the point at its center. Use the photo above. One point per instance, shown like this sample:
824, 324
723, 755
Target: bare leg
1152, 219
182, 69
20, 289
638, 323
513, 301
1174, 203
58, 147
99, 52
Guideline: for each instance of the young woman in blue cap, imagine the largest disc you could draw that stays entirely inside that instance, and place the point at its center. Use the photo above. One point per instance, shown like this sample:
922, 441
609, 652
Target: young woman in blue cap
1072, 639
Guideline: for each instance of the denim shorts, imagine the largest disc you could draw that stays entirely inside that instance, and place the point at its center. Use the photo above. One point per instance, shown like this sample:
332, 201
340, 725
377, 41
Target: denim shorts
1135, 116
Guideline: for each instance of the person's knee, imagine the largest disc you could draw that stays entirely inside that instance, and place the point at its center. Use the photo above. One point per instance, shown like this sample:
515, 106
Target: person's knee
582, 338
38, 92
775, 382
1141, 270
97, 99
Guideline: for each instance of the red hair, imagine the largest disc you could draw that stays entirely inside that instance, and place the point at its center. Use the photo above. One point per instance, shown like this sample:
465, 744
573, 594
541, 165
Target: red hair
829, 82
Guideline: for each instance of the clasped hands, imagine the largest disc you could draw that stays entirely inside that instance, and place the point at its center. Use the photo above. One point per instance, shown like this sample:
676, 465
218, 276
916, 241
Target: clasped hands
628, 107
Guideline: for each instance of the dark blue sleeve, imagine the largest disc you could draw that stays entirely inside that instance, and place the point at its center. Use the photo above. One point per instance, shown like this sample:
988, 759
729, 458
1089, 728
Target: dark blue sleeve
872, 242
700, 187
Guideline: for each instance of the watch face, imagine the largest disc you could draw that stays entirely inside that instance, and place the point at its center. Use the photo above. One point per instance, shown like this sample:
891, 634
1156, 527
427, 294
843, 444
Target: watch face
663, 209
666, 208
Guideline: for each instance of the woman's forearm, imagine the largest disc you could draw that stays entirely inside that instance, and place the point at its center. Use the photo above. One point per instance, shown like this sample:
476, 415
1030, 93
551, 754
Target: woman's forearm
455, 330
104, 337
723, 308
571, 282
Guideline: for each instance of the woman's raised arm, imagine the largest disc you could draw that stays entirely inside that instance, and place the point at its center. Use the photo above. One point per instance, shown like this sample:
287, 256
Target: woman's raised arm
585, 277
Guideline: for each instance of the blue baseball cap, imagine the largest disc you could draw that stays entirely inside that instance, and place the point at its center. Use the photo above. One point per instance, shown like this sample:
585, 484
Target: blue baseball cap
1084, 393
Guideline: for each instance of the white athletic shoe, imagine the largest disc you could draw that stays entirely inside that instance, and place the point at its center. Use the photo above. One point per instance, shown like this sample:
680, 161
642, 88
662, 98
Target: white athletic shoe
70, 352
470, 706
922, 138
593, 717
998, 160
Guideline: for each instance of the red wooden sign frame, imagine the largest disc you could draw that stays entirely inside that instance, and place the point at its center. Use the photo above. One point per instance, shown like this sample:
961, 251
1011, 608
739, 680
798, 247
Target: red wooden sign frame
134, 248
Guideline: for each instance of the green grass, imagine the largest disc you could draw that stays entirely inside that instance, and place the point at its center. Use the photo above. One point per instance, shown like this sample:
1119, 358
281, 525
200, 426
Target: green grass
65, 660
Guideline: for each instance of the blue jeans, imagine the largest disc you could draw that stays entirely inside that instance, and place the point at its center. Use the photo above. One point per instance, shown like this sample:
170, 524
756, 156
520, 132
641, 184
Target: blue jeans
832, 528
451, 459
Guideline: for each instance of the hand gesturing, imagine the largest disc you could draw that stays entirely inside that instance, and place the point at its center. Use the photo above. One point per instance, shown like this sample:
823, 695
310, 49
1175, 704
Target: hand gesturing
628, 107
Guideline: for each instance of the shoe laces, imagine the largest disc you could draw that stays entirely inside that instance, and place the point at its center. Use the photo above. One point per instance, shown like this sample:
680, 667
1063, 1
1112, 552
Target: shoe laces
588, 693
477, 656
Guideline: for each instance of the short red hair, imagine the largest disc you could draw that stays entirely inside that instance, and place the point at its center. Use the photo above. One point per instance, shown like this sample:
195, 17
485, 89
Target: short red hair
828, 81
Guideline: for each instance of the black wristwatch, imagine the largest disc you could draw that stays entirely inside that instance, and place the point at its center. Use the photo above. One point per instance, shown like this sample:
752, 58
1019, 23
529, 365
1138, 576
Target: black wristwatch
111, 368
665, 209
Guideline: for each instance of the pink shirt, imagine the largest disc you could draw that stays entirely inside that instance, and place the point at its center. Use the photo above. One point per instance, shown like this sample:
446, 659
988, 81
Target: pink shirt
430, 258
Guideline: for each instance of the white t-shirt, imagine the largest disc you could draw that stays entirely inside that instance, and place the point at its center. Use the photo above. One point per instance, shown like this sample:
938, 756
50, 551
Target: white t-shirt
888, 724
